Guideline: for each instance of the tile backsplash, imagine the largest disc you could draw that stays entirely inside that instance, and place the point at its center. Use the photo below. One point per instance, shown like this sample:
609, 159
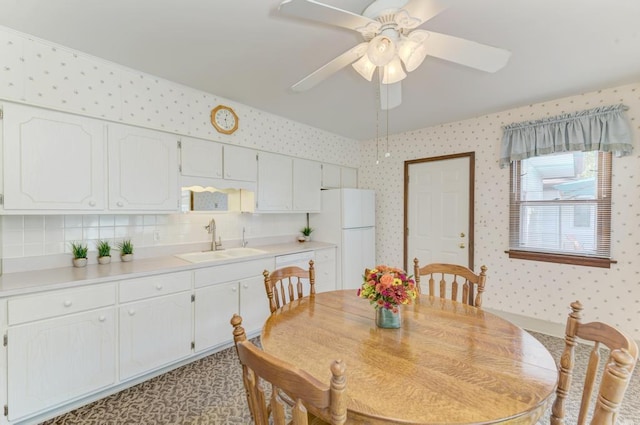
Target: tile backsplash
50, 235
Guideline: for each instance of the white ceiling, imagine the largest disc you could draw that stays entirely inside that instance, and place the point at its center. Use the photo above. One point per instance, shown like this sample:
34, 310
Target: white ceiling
244, 50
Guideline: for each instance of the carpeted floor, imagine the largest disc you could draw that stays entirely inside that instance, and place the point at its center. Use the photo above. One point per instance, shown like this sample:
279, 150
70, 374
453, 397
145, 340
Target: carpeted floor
210, 391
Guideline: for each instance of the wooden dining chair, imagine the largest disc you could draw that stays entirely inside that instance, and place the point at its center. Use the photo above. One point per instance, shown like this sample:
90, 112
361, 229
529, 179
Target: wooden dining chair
615, 377
285, 284
296, 397
452, 275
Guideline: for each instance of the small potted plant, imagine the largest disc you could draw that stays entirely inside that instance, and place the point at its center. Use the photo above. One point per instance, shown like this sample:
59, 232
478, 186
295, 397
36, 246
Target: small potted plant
306, 232
126, 250
79, 252
104, 252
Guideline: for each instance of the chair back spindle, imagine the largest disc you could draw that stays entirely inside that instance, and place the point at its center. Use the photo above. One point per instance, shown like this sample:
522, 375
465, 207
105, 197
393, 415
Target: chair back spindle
294, 393
286, 284
615, 377
455, 278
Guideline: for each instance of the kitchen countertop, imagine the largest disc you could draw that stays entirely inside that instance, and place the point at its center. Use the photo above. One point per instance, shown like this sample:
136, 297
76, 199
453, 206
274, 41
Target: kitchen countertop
21, 283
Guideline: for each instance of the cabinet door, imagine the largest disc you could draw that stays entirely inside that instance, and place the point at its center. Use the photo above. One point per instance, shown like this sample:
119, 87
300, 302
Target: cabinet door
330, 176
240, 164
307, 181
143, 169
254, 304
52, 160
53, 361
349, 177
275, 191
325, 268
214, 307
358, 253
154, 333
201, 158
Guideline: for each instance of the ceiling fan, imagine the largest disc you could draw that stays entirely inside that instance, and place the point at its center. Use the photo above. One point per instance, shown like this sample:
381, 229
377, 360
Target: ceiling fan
392, 43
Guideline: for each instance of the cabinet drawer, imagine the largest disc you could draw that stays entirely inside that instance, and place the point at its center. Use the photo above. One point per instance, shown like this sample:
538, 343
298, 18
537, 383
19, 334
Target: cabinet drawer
235, 271
58, 303
324, 255
153, 286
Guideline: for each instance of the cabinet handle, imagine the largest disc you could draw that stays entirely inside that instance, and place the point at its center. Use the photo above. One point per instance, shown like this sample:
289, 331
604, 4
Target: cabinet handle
67, 303
92, 203
234, 289
132, 312
245, 286
120, 203
102, 318
159, 287
228, 174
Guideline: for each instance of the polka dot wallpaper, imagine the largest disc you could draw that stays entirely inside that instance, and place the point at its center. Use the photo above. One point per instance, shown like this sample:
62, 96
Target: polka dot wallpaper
534, 289
42, 73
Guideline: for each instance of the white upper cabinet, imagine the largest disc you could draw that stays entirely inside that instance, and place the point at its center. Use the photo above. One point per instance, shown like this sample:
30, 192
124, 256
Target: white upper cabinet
201, 158
275, 189
206, 159
52, 161
240, 164
143, 169
330, 176
307, 180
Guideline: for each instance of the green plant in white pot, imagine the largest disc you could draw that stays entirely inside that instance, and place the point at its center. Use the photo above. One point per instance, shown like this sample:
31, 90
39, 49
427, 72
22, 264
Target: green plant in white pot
104, 252
126, 250
79, 252
306, 232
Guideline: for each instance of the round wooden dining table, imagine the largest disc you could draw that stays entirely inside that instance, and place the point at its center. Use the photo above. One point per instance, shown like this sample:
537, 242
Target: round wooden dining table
449, 363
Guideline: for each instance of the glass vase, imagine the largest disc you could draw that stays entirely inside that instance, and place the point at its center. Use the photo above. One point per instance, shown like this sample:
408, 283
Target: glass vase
387, 319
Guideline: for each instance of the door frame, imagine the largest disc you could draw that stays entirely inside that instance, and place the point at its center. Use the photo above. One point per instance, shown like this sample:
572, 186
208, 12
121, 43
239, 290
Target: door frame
472, 167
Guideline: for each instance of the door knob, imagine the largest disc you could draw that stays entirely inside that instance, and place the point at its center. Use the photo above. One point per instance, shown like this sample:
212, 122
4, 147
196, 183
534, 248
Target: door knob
461, 245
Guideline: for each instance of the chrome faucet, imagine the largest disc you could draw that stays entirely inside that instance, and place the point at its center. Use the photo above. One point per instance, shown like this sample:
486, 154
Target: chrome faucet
211, 229
244, 241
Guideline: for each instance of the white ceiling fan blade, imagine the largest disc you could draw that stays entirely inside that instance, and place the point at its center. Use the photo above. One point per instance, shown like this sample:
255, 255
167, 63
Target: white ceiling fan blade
313, 10
424, 9
466, 52
327, 70
390, 95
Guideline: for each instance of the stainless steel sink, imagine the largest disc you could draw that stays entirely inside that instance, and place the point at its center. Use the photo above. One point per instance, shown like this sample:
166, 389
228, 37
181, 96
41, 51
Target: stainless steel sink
225, 254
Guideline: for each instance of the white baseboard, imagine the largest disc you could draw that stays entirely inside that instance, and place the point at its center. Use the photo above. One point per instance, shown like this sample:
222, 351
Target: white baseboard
531, 323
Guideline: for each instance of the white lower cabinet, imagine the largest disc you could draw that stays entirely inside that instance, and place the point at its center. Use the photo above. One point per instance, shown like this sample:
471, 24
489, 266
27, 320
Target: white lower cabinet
156, 329
59, 352
325, 269
224, 290
214, 303
66, 346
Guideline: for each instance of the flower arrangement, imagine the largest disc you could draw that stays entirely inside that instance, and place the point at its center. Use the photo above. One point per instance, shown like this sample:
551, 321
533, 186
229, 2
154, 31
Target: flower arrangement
387, 287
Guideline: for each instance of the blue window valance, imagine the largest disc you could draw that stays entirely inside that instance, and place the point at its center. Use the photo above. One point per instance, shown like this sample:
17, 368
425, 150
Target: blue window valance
600, 129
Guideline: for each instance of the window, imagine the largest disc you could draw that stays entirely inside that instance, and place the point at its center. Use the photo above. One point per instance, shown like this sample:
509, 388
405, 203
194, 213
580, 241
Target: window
560, 208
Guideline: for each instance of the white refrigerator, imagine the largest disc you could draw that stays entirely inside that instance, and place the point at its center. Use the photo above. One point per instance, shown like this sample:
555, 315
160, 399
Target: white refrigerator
348, 219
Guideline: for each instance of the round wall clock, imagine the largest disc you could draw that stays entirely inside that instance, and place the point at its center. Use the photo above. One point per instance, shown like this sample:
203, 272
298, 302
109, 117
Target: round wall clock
224, 119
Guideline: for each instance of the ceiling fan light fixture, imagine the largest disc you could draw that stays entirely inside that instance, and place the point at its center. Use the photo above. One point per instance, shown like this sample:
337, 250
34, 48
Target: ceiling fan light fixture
364, 67
393, 72
413, 49
382, 49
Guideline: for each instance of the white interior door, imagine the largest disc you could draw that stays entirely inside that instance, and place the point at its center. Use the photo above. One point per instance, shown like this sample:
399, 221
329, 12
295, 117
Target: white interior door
439, 221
